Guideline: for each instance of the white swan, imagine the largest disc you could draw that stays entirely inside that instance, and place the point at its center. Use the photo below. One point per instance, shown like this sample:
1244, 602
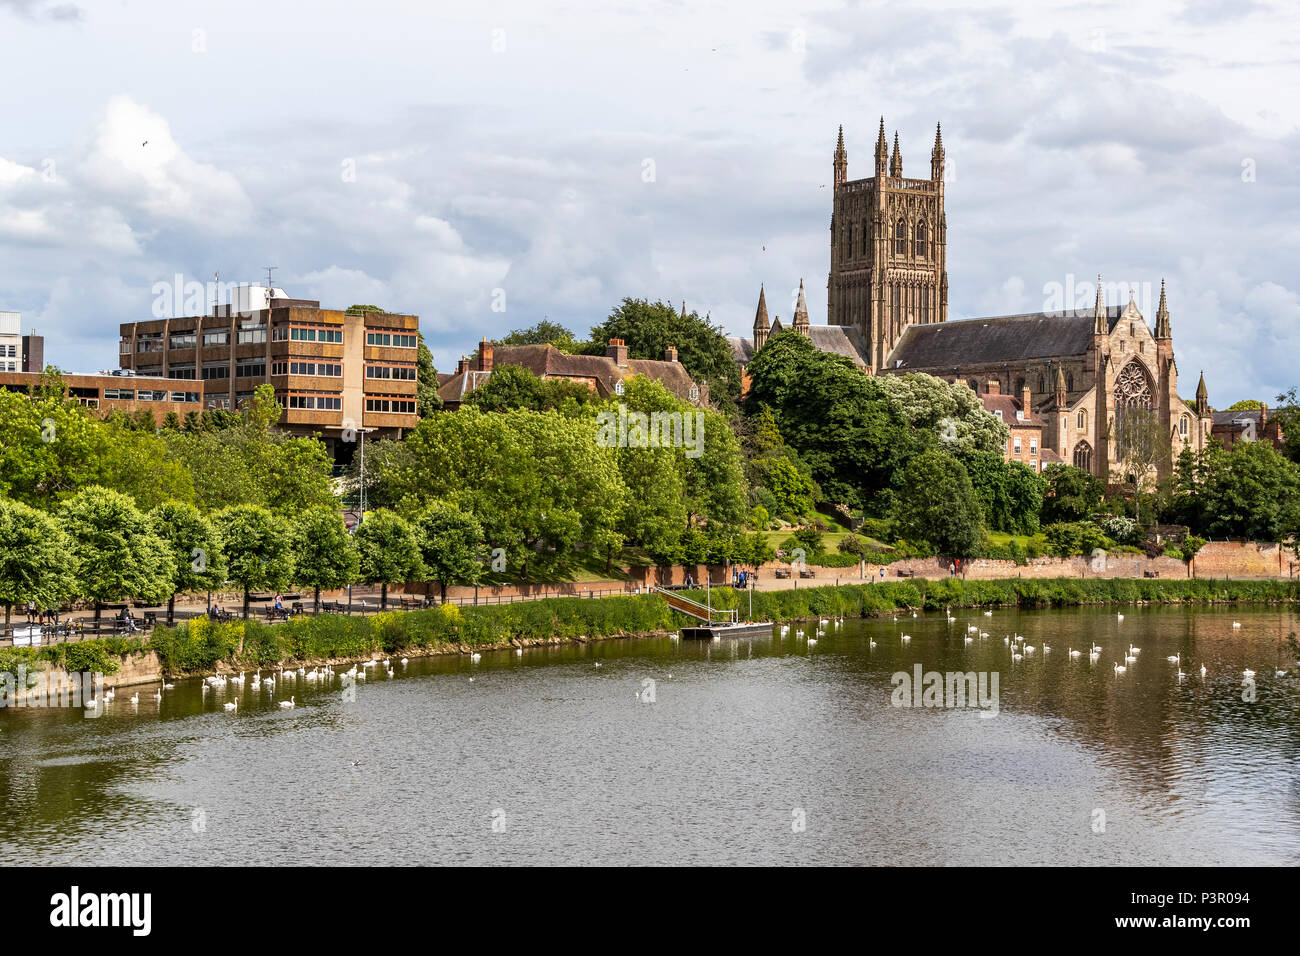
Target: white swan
1120, 616
404, 662
1236, 624
168, 686
1202, 670
287, 704
519, 652
135, 698
1046, 649
988, 613
476, 657
970, 640
1120, 668
1248, 673
1175, 658
109, 694
872, 643
1073, 652
231, 704
811, 642
907, 637
157, 695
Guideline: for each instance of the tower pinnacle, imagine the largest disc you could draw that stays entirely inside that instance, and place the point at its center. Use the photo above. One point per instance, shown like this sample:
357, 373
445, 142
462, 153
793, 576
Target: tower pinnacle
1163, 329
896, 161
841, 163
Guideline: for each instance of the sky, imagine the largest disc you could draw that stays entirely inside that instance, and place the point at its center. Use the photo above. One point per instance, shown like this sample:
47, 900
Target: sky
489, 165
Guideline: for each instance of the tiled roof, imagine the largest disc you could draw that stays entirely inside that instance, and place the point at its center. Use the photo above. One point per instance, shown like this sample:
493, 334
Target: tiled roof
836, 339
548, 361
1008, 406
1007, 338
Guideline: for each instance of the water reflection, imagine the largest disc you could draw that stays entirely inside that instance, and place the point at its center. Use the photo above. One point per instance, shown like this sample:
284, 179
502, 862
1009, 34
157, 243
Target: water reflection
545, 757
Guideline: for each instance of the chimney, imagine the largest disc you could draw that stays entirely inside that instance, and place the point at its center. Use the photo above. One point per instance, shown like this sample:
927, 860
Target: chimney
462, 366
617, 350
992, 387
670, 354
485, 356
1025, 403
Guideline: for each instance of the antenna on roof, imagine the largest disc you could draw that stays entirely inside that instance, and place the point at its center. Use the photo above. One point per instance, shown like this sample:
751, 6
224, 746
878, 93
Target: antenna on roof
269, 269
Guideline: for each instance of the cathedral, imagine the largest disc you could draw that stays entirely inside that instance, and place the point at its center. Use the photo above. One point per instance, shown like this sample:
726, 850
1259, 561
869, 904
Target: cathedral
1076, 371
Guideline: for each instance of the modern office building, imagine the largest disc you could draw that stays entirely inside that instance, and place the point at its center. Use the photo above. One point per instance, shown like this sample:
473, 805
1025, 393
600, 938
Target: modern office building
11, 342
336, 373
109, 391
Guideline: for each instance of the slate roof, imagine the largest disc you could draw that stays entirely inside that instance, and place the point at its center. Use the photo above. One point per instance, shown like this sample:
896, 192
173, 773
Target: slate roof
837, 339
1006, 338
1232, 418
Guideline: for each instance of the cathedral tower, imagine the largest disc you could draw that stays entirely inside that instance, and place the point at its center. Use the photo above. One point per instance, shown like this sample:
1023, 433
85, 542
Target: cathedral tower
888, 247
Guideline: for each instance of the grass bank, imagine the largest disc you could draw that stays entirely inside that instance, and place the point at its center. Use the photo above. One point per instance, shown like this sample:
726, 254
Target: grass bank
858, 600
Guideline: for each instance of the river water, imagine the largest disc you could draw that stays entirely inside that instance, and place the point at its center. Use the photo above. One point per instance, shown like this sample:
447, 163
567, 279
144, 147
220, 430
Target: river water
770, 750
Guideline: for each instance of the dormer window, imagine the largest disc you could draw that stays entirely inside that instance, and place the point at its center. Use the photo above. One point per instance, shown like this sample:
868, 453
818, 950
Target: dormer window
695, 393
998, 412
1020, 415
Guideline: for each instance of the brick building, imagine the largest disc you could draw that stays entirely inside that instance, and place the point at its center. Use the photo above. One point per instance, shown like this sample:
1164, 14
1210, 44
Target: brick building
601, 373
1025, 443
334, 372
1252, 424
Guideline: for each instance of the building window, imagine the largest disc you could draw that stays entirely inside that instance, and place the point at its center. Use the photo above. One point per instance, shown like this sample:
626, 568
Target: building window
900, 238
1182, 426
149, 342
1015, 444
221, 337
1033, 446
1083, 456
183, 340
1082, 420
119, 394
403, 373
185, 370
391, 340
919, 245
1020, 385
252, 335
896, 305
925, 304
250, 367
1042, 383
187, 397
213, 370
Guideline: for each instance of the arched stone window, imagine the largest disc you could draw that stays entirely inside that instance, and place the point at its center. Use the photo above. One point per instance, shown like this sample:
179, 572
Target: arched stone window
1020, 385
1182, 426
1132, 392
924, 294
900, 238
1042, 383
865, 233
919, 235
1083, 456
1082, 420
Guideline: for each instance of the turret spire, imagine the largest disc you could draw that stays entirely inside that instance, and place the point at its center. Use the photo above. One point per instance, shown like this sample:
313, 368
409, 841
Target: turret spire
1100, 325
882, 150
761, 326
936, 155
841, 160
1202, 397
1163, 329
896, 161
801, 322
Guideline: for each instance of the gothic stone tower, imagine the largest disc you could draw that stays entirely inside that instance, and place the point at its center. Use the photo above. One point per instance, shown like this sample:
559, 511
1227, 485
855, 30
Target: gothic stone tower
888, 241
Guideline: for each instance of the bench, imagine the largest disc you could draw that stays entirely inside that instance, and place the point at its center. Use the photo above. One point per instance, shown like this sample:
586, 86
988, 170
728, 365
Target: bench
1150, 574
276, 614
807, 573
781, 572
906, 574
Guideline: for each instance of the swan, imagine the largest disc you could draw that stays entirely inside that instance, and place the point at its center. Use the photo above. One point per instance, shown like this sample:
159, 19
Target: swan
1120, 668
109, 694
1046, 649
913, 614
984, 634
1096, 649
302, 671
988, 613
1029, 648
135, 698
519, 652
1073, 652
231, 704
404, 662
973, 629
873, 643
270, 682
1181, 675
239, 679
1279, 673
1017, 657
811, 642
1006, 640
157, 695
476, 657
1236, 624
907, 637
287, 704
1120, 616
814, 640
1175, 658
970, 640
1202, 670
390, 672
1129, 659
1248, 673
168, 686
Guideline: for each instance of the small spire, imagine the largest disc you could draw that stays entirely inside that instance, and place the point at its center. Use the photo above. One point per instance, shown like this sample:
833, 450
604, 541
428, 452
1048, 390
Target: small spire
936, 154
841, 163
882, 147
683, 308
1163, 330
801, 310
760, 317
1202, 393
1060, 378
896, 161
1100, 326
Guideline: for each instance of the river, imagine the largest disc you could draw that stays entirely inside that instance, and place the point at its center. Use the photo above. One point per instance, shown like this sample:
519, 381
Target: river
763, 751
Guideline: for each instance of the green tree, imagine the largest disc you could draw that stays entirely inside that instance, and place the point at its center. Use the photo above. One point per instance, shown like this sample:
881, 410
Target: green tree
1071, 494
1245, 405
841, 421
118, 553
512, 387
1287, 415
325, 556
36, 562
1250, 492
388, 551
544, 332
938, 506
258, 548
1010, 493
1143, 449
194, 550
426, 381
650, 328
537, 481
945, 415
450, 543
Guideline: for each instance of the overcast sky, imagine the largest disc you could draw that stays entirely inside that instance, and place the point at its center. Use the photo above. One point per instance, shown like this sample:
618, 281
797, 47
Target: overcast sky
421, 156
